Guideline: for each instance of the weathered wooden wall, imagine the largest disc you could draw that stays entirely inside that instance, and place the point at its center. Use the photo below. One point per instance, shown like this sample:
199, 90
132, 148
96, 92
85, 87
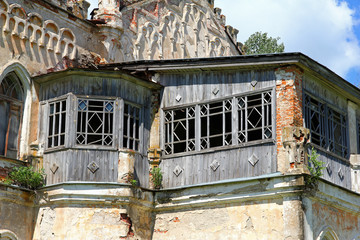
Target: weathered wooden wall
232, 164
197, 87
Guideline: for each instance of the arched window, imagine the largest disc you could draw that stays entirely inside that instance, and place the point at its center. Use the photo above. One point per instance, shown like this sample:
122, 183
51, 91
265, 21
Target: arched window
11, 111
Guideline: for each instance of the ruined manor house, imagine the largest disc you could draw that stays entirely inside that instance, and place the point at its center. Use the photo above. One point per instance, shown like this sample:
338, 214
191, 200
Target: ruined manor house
101, 100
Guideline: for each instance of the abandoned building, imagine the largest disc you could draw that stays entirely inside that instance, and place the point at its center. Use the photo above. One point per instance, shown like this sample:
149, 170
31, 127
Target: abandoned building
101, 102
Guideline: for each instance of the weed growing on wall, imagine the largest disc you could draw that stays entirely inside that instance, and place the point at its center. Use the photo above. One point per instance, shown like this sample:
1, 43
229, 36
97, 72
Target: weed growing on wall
315, 167
26, 177
156, 177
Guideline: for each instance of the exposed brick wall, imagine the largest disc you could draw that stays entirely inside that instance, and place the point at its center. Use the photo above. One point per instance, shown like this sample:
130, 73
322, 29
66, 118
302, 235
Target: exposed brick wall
289, 109
4, 171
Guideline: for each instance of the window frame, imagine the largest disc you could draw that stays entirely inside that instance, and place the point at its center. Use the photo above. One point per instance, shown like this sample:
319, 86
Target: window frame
62, 98
234, 133
328, 123
72, 117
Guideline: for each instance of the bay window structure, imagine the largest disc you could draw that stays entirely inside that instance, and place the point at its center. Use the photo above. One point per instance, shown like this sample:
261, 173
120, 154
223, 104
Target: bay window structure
328, 127
11, 111
232, 121
97, 123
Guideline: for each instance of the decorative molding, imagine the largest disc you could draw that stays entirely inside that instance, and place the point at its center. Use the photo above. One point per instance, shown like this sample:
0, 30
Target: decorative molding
253, 160
215, 165
178, 170
93, 167
54, 168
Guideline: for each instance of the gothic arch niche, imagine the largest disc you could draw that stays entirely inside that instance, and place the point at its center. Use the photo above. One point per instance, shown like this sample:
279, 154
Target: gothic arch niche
327, 234
15, 100
7, 235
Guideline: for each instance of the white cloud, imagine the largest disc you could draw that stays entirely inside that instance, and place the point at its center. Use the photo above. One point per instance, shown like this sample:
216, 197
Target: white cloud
321, 29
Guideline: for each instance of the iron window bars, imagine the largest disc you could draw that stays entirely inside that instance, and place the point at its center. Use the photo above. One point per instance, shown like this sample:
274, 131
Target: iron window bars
327, 126
227, 122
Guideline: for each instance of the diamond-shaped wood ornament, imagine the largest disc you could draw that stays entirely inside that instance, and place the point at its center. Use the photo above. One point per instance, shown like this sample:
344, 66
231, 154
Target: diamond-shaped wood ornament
93, 167
54, 168
215, 91
178, 98
253, 159
177, 170
215, 165
329, 168
253, 83
341, 174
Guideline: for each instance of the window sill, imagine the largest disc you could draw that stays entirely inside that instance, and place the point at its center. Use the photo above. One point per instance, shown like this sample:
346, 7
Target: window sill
93, 147
221, 148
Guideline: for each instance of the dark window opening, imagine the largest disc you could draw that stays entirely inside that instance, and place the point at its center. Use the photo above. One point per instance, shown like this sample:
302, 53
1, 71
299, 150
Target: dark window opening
131, 127
57, 123
11, 110
327, 126
216, 122
95, 122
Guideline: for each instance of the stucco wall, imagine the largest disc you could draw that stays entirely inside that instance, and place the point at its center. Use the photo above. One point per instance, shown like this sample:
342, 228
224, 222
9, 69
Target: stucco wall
17, 212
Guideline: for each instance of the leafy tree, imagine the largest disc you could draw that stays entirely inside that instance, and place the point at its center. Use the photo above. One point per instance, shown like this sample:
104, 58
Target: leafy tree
260, 43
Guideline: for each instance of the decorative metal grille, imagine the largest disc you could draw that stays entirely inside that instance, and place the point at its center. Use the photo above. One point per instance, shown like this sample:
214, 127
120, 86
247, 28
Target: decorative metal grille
57, 123
95, 122
250, 115
131, 128
327, 126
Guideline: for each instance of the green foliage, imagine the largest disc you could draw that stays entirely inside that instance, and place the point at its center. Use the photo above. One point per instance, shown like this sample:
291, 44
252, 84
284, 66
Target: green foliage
133, 182
315, 167
156, 177
26, 177
260, 43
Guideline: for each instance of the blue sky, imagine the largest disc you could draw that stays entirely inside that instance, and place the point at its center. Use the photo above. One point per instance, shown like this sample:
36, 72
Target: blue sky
326, 30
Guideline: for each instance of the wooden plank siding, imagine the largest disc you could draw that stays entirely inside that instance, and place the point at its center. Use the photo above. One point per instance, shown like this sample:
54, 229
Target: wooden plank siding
204, 87
233, 164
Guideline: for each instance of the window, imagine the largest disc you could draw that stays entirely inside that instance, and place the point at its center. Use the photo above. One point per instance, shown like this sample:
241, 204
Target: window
227, 122
57, 123
327, 126
131, 128
11, 110
95, 122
